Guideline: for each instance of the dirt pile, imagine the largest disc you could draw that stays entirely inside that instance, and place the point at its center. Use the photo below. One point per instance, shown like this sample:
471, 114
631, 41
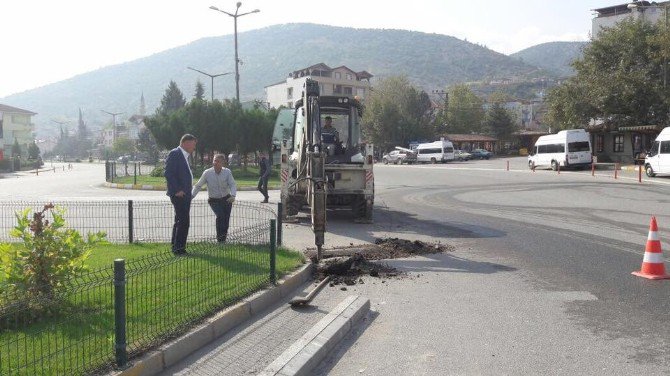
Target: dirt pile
356, 261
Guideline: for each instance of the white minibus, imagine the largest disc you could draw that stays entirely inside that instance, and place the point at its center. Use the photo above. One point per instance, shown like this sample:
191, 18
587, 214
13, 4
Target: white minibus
567, 149
433, 152
657, 160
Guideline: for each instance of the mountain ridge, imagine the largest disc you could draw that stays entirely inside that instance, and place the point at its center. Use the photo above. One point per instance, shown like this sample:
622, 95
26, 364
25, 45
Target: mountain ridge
430, 61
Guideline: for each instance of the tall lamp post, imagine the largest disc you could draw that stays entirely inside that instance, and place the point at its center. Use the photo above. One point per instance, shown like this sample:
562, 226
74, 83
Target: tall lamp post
237, 60
210, 76
633, 6
114, 123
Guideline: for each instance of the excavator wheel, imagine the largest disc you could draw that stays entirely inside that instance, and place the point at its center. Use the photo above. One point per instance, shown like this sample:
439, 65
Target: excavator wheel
362, 210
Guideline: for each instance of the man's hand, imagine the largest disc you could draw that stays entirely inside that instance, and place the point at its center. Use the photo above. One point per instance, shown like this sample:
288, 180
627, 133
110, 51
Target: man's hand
179, 194
231, 199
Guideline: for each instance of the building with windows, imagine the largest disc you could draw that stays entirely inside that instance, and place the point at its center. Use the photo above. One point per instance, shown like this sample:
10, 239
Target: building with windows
16, 125
332, 81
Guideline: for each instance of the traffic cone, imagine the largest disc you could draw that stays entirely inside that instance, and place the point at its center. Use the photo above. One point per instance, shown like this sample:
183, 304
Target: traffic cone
652, 263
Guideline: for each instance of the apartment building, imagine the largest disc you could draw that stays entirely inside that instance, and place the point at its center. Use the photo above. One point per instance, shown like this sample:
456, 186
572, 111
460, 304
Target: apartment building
15, 125
650, 11
332, 81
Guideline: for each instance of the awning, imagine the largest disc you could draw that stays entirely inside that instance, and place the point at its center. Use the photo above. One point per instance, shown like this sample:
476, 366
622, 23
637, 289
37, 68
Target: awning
639, 128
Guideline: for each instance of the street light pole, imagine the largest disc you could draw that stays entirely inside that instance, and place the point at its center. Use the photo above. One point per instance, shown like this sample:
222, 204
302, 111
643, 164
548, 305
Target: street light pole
114, 123
237, 60
210, 76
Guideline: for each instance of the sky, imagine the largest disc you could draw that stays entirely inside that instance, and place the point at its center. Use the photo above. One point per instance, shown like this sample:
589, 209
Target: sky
46, 41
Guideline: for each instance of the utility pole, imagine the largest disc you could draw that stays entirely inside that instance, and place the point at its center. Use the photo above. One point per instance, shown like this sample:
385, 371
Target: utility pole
114, 123
237, 60
210, 76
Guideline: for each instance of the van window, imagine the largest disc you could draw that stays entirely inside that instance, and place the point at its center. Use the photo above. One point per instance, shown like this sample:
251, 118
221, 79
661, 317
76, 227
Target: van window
665, 147
449, 149
552, 148
430, 151
654, 149
579, 146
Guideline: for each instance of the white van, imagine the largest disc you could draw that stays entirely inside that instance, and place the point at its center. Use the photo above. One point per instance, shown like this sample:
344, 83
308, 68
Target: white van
433, 152
657, 160
567, 149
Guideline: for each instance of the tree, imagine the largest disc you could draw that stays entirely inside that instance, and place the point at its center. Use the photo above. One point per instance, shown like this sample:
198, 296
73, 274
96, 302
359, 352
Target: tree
465, 113
123, 145
199, 91
619, 79
396, 113
146, 143
33, 151
172, 100
499, 122
16, 148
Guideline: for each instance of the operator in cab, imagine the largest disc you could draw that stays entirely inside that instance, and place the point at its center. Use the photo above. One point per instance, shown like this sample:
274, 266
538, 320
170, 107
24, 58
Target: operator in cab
330, 137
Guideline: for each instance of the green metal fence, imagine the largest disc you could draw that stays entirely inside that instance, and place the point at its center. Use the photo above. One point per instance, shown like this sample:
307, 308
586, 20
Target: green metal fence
99, 320
148, 220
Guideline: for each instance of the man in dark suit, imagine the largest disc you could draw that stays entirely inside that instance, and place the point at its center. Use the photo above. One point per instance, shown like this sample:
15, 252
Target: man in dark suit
179, 185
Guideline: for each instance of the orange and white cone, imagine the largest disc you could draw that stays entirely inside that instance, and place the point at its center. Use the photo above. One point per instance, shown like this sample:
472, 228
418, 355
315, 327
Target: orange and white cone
653, 266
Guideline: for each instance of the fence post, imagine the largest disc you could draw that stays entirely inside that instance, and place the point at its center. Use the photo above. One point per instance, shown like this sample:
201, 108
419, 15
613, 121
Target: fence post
135, 174
279, 223
273, 252
120, 349
616, 170
507, 165
639, 173
130, 221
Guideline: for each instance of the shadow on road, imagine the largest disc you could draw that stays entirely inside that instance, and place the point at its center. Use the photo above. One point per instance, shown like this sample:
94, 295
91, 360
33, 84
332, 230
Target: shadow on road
402, 224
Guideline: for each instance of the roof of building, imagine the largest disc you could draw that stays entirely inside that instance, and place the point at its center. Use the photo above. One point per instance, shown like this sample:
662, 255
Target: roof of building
321, 66
16, 110
469, 138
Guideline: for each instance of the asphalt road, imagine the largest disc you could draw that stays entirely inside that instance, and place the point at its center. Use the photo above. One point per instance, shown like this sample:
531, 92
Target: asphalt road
539, 283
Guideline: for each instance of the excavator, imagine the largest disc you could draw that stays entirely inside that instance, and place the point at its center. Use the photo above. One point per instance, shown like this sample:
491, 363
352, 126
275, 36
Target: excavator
324, 169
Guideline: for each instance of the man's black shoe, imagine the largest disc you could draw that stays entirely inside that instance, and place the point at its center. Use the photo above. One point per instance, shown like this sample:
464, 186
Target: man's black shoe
264, 202
179, 252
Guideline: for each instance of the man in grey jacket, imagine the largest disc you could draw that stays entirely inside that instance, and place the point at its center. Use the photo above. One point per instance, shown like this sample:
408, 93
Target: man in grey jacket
221, 189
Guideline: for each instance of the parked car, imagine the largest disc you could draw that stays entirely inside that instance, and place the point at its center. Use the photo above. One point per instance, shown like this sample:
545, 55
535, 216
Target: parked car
462, 155
399, 156
481, 154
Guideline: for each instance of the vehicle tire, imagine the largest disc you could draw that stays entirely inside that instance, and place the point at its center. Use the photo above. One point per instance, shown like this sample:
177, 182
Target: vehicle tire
361, 210
397, 161
554, 165
386, 161
649, 171
292, 206
433, 160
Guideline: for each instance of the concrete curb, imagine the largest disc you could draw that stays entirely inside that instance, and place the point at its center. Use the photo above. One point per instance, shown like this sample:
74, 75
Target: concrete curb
169, 354
308, 351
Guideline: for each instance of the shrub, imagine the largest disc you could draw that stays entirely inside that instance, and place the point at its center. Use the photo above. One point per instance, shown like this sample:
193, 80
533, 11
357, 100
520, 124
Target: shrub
158, 171
49, 256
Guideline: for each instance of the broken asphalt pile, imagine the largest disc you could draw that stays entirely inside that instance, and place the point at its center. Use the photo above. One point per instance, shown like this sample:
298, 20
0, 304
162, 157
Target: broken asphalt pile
356, 261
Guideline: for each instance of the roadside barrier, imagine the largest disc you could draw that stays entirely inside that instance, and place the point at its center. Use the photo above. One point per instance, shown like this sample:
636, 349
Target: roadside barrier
652, 263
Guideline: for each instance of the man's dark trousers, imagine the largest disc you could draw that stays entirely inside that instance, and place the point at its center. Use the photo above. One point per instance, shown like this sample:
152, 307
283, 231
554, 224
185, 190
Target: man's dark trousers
182, 208
221, 208
263, 186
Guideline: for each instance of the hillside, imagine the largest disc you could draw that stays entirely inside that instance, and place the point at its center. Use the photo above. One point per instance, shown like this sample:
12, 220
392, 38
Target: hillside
431, 61
554, 57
